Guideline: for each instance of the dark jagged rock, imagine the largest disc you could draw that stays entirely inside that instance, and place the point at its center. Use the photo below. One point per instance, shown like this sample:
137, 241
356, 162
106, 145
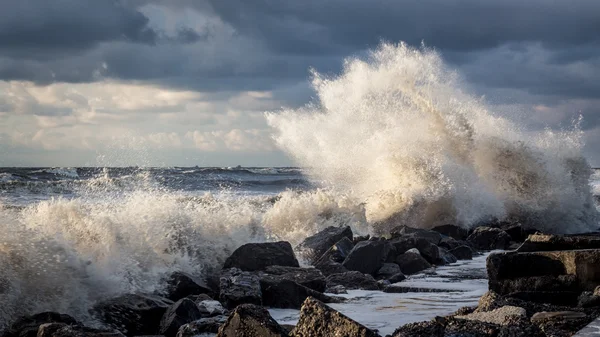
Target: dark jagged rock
428, 250
352, 280
433, 328
543, 242
278, 292
249, 320
133, 314
181, 312
387, 270
338, 289
337, 252
258, 256
396, 278
412, 263
238, 287
201, 326
27, 326
367, 256
311, 278
450, 243
462, 253
488, 238
446, 257
211, 308
67, 330
181, 285
317, 319
453, 231
313, 247
329, 267
199, 298
405, 231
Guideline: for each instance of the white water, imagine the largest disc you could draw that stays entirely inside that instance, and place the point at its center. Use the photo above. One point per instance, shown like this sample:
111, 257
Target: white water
398, 133
386, 312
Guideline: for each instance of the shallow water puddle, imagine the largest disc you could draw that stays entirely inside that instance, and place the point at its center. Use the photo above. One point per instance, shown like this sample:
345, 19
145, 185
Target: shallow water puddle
457, 285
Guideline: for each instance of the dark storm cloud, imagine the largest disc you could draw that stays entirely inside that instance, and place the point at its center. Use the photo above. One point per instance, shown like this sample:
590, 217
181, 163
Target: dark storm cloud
32, 26
274, 42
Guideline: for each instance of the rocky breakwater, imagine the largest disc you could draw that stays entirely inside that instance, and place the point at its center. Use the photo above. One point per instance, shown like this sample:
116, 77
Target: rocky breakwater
231, 301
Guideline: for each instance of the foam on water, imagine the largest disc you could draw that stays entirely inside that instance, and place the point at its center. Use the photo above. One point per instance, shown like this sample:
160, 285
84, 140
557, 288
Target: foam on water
397, 132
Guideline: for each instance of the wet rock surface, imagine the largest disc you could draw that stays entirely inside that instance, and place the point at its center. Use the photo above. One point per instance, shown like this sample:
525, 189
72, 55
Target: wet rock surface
352, 280
317, 319
250, 320
239, 287
258, 256
488, 238
313, 247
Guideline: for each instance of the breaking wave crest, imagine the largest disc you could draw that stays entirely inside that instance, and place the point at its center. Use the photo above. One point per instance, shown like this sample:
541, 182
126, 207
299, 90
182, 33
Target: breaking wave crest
398, 133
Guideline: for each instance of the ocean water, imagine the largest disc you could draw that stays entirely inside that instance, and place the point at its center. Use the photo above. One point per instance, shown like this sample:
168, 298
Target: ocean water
394, 139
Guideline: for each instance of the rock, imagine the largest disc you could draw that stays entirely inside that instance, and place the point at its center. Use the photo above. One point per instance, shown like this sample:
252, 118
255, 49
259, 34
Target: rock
278, 292
313, 247
405, 231
27, 326
133, 314
338, 289
397, 278
557, 315
367, 256
564, 273
412, 263
597, 291
587, 299
317, 319
450, 243
67, 330
258, 256
329, 267
238, 287
211, 308
352, 280
202, 326
181, 285
544, 242
387, 270
446, 257
453, 231
337, 252
249, 320
433, 328
178, 314
487, 238
428, 250
515, 230
450, 327
501, 316
488, 302
311, 278
462, 253
199, 298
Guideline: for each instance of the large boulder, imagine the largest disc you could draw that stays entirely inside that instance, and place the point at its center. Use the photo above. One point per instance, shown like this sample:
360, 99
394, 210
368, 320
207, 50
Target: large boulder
238, 287
352, 280
211, 308
544, 242
387, 270
428, 250
181, 312
27, 326
462, 253
249, 320
258, 256
488, 238
313, 247
453, 231
406, 231
311, 278
208, 325
337, 252
367, 256
412, 262
317, 319
180, 285
278, 292
555, 277
68, 330
446, 257
133, 314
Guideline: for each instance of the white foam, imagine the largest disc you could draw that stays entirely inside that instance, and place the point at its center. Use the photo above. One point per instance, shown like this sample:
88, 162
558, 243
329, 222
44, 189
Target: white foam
397, 132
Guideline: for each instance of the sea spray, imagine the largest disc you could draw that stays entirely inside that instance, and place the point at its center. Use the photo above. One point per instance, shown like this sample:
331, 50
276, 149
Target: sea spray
397, 132
118, 235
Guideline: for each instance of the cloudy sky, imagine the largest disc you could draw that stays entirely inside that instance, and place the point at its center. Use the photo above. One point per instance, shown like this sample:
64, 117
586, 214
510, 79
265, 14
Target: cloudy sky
186, 82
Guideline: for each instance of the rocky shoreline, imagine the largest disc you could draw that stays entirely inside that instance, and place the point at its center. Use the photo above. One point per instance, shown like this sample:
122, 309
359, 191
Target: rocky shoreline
544, 285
